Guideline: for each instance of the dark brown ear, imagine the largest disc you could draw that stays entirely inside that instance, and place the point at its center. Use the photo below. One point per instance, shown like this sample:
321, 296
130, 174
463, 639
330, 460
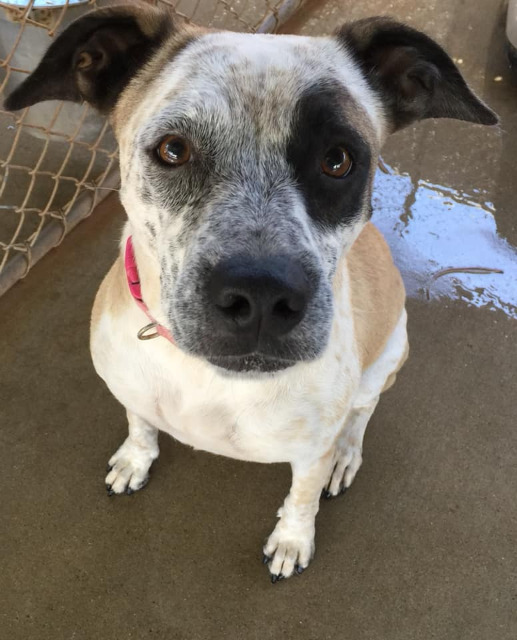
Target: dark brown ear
95, 57
414, 76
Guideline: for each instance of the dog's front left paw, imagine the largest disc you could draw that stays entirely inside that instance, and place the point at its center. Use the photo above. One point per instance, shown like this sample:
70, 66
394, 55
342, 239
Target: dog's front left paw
288, 550
128, 468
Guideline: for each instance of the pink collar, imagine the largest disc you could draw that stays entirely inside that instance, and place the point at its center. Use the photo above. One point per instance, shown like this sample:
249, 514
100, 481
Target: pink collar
133, 282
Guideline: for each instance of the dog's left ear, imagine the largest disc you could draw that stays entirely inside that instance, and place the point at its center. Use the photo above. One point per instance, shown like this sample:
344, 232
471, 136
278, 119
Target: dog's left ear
95, 57
414, 76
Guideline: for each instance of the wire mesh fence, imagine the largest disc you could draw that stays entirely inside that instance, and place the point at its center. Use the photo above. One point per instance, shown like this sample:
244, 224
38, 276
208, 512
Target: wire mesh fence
58, 160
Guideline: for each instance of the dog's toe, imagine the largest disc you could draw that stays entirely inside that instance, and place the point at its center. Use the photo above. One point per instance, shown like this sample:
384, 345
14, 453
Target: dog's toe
128, 469
348, 460
126, 479
287, 553
328, 494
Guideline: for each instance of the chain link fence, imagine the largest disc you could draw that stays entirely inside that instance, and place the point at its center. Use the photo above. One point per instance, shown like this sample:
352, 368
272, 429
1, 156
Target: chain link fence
58, 160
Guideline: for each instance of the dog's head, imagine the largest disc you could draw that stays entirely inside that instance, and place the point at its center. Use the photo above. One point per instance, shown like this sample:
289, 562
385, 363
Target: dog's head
247, 161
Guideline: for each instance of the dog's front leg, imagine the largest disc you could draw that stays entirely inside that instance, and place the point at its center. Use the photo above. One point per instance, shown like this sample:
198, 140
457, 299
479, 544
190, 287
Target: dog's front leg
128, 468
291, 545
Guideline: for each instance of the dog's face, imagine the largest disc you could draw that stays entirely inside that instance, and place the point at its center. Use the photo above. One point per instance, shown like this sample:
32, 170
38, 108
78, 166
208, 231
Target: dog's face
247, 166
247, 163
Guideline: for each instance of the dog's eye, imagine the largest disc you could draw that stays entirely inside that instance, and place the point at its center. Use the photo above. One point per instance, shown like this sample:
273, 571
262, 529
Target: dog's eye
174, 151
337, 162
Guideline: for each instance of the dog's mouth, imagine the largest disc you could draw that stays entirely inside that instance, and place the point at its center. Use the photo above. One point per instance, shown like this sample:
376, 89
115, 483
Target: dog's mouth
250, 364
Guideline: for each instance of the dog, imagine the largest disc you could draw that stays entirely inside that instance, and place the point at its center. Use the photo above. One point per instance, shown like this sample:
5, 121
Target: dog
247, 164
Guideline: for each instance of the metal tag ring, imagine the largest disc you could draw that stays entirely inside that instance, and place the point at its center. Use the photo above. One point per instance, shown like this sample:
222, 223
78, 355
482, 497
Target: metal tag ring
143, 333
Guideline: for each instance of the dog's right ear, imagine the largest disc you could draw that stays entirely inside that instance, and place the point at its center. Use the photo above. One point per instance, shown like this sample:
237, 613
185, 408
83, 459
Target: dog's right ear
95, 57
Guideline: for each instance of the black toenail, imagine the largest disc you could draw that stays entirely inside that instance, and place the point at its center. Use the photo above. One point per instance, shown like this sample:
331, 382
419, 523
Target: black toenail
111, 492
274, 579
265, 559
343, 490
328, 495
129, 491
299, 570
109, 468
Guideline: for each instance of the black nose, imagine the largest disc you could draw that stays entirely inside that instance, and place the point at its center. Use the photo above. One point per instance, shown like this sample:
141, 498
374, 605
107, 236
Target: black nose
258, 298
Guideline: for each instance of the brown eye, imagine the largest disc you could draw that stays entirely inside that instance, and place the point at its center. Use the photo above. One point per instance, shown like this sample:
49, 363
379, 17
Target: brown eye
336, 163
174, 150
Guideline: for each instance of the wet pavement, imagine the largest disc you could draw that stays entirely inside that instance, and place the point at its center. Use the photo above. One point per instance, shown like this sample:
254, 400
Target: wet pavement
422, 546
445, 242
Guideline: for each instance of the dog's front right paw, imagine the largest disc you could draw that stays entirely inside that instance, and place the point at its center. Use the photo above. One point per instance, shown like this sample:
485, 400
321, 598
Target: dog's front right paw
288, 550
128, 468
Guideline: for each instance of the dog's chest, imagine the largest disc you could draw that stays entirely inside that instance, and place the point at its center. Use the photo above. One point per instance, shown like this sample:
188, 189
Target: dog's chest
265, 420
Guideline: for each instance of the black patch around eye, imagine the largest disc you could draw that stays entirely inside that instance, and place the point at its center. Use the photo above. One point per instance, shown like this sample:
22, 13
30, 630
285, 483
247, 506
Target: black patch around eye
319, 126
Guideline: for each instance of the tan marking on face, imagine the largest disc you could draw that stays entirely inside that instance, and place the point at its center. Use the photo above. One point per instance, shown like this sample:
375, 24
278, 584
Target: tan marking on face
377, 293
357, 116
180, 36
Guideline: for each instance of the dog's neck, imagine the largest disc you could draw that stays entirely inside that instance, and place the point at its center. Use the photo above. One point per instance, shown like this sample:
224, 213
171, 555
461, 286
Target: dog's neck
148, 275
154, 328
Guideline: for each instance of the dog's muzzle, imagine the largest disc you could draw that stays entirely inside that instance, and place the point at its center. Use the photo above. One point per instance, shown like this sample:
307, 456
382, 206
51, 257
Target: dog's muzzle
254, 306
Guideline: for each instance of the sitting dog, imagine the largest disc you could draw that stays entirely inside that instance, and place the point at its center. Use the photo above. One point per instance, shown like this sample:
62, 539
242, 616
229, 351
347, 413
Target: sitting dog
247, 164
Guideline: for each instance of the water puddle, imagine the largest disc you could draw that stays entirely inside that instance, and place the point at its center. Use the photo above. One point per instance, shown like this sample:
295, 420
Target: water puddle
445, 242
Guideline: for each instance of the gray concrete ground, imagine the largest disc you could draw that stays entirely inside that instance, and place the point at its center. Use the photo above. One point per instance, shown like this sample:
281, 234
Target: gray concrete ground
424, 544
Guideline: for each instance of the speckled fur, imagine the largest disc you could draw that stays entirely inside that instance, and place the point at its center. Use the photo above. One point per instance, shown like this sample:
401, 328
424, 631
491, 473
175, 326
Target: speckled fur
235, 96
237, 99
261, 112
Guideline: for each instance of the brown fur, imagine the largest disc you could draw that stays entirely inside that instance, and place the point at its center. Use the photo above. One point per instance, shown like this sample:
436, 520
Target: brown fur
180, 36
377, 293
113, 295
376, 290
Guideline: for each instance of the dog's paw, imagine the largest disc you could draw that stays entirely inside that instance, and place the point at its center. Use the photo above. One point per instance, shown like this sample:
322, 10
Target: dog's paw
347, 461
128, 468
288, 550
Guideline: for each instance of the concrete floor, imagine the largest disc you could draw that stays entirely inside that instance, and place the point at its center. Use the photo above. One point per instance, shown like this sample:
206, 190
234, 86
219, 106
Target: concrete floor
424, 544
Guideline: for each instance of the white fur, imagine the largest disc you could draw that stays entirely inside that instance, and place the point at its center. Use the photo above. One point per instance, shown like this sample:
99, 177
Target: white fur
312, 415
252, 188
225, 53
274, 418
